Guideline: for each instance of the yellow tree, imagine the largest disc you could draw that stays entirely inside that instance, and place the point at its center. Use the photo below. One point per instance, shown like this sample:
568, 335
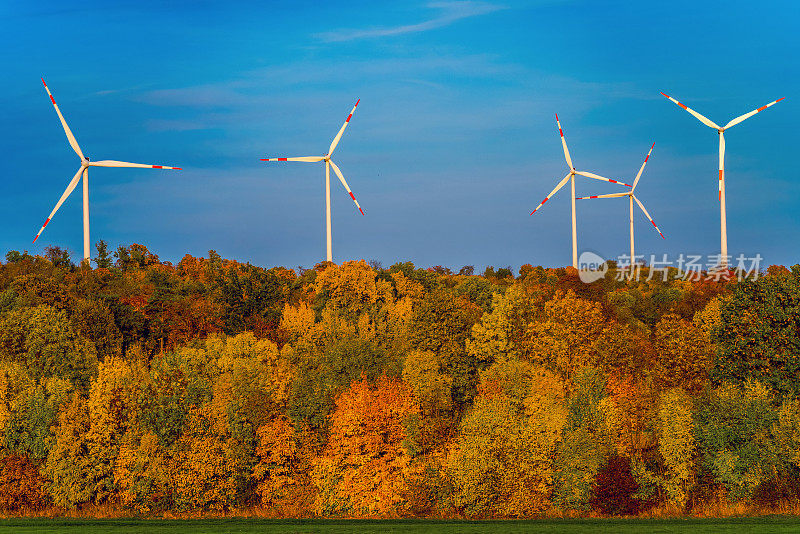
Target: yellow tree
87, 439
501, 464
677, 446
502, 333
626, 413
282, 474
143, 472
566, 337
422, 371
349, 289
682, 352
203, 473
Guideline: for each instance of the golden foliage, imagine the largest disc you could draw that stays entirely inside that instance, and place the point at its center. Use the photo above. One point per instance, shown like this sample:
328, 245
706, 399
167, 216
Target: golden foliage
564, 340
625, 411
203, 472
677, 446
282, 472
502, 462
683, 353
350, 287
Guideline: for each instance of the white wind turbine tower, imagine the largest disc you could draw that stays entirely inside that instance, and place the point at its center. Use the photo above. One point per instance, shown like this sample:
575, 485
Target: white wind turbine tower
720, 130
631, 199
328, 164
84, 170
571, 178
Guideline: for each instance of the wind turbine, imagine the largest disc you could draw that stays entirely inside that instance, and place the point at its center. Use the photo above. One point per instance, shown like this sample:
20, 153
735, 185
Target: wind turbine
328, 164
571, 178
84, 170
720, 130
631, 199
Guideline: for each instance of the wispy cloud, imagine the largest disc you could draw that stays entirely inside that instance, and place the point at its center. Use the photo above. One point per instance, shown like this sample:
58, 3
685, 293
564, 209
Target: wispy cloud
449, 12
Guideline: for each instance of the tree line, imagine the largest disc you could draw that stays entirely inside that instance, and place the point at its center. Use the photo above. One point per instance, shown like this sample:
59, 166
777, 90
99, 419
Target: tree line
361, 391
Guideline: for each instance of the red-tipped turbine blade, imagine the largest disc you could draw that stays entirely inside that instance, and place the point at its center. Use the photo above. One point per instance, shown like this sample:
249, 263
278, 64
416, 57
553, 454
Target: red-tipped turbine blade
67, 191
740, 118
347, 187
598, 177
553, 192
71, 138
648, 216
639, 175
564, 144
307, 159
708, 122
341, 131
113, 163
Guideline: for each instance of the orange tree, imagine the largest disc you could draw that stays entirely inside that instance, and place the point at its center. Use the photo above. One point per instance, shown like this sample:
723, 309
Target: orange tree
365, 468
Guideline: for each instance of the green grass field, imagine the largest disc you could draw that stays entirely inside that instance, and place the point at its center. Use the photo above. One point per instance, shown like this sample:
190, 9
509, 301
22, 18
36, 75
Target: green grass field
770, 524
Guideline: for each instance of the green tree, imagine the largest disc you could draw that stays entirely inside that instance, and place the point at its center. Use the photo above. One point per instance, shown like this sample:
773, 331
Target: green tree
103, 258
735, 436
43, 339
441, 323
322, 376
57, 256
585, 445
28, 410
759, 335
501, 464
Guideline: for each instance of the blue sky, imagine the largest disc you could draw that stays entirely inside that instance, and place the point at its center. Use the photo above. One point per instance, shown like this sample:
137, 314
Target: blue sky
453, 144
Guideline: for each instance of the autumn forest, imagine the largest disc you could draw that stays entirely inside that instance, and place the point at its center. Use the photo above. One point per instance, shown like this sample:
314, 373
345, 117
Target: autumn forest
358, 390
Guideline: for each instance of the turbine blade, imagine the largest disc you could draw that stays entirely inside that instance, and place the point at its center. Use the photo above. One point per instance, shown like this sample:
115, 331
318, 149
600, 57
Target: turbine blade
339, 135
721, 163
344, 183
70, 188
704, 120
71, 138
113, 163
740, 118
598, 177
636, 181
564, 144
553, 192
307, 159
612, 195
648, 216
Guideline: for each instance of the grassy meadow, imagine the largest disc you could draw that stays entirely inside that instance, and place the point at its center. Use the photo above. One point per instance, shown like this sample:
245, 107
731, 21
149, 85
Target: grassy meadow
771, 524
